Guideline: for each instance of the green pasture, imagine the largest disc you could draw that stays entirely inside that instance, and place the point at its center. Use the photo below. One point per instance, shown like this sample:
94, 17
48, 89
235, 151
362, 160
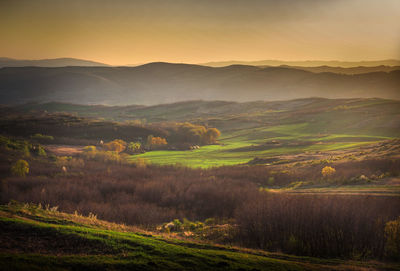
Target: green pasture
293, 139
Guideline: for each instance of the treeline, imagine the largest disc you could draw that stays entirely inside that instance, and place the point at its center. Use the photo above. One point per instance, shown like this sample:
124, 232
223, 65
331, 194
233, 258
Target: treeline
71, 129
62, 128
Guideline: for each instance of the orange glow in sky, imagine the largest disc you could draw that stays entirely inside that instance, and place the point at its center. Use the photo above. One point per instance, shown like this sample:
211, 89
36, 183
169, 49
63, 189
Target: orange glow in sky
129, 32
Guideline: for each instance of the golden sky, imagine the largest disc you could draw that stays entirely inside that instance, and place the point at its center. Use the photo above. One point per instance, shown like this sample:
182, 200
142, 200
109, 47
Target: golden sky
120, 32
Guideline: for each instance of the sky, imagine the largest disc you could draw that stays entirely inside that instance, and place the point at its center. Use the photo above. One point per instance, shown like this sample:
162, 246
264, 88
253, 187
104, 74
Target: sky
121, 32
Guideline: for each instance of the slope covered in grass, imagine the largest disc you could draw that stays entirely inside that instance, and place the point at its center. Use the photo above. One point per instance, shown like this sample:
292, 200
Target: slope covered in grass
33, 238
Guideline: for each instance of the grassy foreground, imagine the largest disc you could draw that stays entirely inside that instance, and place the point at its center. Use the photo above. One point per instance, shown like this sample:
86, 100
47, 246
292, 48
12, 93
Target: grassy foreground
34, 238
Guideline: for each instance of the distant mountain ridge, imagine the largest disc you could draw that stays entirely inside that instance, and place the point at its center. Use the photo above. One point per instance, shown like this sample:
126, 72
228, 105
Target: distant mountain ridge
308, 63
156, 83
55, 62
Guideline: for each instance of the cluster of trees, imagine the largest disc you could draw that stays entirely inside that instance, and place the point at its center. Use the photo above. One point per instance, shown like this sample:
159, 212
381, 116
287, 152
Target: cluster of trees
155, 142
194, 134
117, 145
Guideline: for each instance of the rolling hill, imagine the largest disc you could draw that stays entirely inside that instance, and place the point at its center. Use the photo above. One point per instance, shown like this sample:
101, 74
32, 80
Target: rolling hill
249, 130
157, 83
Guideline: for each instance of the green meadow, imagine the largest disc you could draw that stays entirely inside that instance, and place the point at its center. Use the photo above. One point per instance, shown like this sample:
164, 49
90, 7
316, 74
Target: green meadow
241, 146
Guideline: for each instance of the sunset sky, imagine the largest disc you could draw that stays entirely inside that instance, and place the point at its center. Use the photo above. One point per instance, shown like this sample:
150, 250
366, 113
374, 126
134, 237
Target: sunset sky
121, 32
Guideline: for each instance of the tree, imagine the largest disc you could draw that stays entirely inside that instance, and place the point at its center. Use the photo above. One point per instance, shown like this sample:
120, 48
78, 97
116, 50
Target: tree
156, 142
116, 145
20, 168
328, 171
211, 135
149, 140
134, 147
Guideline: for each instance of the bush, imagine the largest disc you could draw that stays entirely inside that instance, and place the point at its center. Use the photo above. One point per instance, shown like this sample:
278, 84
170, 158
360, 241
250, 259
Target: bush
38, 150
20, 168
177, 225
89, 149
328, 171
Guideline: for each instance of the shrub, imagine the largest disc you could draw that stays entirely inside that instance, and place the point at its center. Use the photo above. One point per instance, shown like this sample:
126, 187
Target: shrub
38, 150
68, 161
89, 148
177, 225
328, 171
20, 168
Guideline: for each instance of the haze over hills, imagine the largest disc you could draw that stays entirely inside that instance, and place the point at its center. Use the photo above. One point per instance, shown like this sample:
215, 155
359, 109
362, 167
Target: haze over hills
156, 83
341, 70
55, 62
307, 63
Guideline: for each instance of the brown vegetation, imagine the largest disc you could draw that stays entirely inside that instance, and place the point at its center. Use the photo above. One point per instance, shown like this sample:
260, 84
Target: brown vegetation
334, 226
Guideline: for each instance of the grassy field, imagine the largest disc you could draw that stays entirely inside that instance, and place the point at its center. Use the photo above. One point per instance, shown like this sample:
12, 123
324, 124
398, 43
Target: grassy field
241, 146
301, 126
37, 239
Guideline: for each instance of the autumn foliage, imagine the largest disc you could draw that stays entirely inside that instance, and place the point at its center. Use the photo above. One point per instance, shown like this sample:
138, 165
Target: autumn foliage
328, 171
116, 145
156, 142
192, 133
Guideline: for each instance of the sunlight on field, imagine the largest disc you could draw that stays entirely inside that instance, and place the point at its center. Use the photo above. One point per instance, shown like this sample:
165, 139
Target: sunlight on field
241, 146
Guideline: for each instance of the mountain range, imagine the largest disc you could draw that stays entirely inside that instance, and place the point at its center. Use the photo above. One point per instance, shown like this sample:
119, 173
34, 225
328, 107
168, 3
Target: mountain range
156, 83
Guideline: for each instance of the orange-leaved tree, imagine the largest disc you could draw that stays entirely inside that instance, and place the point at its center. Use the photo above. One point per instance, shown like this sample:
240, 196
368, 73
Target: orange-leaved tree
116, 145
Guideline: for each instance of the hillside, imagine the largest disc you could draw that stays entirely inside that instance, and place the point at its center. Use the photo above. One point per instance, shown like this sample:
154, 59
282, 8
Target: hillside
157, 83
249, 130
35, 238
56, 62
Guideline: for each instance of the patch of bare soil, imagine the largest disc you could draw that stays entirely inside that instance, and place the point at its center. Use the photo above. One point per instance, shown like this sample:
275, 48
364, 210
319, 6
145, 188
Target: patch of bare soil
63, 150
